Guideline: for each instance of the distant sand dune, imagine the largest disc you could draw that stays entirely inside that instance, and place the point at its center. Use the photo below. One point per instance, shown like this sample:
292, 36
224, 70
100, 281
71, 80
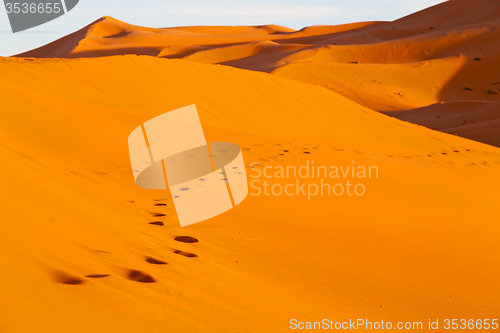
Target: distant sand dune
425, 58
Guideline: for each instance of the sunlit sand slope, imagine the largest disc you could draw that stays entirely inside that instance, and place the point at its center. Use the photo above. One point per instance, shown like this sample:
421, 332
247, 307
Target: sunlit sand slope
448, 52
85, 250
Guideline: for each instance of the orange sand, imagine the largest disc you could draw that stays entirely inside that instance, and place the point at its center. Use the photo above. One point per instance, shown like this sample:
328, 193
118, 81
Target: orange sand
418, 60
446, 53
421, 244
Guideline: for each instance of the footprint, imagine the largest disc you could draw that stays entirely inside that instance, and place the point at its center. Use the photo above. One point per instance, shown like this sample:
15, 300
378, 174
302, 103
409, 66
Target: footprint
155, 261
157, 214
160, 204
139, 276
65, 278
100, 251
97, 276
185, 254
74, 281
160, 223
186, 239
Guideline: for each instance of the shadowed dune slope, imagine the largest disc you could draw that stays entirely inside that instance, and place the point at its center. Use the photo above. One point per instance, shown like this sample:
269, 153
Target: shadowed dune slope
85, 250
476, 120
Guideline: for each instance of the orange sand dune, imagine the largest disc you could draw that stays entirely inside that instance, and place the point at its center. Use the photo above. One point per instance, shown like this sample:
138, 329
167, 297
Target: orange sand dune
85, 250
444, 53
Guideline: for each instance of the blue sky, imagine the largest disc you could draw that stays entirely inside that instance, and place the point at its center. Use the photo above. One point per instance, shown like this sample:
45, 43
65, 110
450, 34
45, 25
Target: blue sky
154, 13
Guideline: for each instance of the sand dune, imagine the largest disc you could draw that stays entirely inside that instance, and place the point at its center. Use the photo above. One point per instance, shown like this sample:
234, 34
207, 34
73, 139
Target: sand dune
86, 250
446, 53
418, 60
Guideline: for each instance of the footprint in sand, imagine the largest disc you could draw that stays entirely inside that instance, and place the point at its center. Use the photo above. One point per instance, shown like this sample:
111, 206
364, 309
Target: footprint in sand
157, 214
160, 223
65, 278
73, 281
186, 239
139, 276
185, 254
155, 261
97, 276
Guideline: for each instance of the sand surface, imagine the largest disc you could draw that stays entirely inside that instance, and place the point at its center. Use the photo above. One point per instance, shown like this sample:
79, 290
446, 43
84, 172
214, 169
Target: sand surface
86, 250
445, 53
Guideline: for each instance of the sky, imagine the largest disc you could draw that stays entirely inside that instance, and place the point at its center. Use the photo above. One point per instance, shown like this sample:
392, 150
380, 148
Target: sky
154, 13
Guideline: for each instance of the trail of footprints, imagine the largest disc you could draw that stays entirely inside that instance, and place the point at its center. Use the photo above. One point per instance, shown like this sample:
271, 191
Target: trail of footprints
133, 274
473, 158
142, 277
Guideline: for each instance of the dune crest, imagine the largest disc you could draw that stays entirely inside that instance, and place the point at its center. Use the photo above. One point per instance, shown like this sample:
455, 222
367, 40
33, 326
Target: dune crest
365, 54
445, 53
